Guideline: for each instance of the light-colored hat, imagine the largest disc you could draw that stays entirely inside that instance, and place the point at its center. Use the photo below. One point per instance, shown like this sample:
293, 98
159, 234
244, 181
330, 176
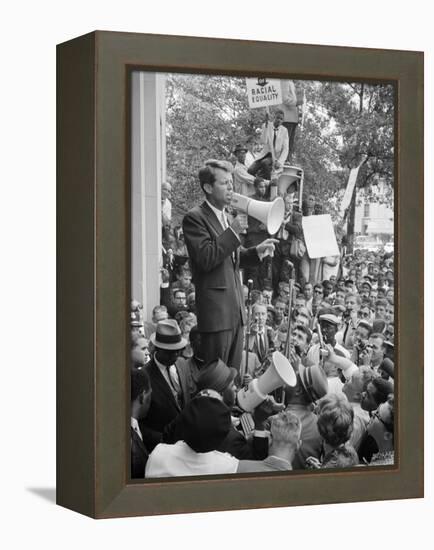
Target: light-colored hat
168, 336
330, 318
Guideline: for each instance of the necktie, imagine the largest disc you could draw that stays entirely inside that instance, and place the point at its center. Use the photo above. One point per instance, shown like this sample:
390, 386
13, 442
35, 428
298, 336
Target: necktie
274, 138
261, 345
136, 428
224, 222
225, 226
174, 382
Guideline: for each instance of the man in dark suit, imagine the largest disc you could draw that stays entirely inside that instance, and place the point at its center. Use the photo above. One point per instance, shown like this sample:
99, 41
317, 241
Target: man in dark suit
261, 336
213, 245
140, 401
169, 381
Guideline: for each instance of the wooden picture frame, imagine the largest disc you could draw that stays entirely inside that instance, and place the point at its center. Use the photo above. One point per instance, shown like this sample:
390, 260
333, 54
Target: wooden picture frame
93, 273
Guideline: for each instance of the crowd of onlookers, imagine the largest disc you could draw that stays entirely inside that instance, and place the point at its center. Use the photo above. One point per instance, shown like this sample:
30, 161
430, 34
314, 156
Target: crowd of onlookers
341, 334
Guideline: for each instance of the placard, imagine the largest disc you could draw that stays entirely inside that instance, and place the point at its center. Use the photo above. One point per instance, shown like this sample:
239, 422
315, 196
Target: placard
319, 236
263, 92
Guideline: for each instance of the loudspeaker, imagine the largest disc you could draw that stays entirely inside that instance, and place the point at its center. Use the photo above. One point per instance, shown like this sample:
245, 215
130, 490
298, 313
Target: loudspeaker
289, 176
269, 213
279, 373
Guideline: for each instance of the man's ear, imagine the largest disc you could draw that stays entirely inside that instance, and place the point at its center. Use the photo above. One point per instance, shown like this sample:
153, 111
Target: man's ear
207, 188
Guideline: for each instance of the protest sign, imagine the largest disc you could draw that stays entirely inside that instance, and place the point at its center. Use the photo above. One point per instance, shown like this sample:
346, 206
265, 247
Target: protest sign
319, 236
263, 92
346, 199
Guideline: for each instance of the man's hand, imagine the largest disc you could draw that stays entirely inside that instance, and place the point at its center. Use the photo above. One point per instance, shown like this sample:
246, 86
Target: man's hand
165, 276
324, 353
247, 379
266, 409
239, 223
294, 359
266, 248
313, 463
331, 353
365, 356
277, 165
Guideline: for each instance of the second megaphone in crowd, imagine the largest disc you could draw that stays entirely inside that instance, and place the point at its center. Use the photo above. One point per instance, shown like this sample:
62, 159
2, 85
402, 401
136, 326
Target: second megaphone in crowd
279, 373
269, 213
289, 180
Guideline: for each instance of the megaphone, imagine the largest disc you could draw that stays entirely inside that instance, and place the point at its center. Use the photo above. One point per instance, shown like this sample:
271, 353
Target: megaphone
278, 374
290, 175
269, 213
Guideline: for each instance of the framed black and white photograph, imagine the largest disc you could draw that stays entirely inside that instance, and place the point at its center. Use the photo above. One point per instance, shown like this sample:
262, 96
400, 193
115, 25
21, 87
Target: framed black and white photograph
246, 297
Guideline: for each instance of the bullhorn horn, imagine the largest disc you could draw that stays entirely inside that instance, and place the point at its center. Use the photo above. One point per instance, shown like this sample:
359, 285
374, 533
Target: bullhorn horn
269, 213
290, 175
279, 373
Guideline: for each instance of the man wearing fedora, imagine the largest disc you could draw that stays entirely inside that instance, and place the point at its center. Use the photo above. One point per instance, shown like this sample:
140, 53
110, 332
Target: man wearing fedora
213, 245
169, 381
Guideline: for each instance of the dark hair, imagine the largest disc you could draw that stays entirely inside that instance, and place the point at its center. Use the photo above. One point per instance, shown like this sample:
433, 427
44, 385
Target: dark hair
335, 419
256, 295
180, 315
279, 111
178, 290
383, 388
140, 382
305, 330
207, 172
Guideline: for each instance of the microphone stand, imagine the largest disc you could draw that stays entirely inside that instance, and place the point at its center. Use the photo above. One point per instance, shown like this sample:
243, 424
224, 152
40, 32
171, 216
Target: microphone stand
288, 333
249, 314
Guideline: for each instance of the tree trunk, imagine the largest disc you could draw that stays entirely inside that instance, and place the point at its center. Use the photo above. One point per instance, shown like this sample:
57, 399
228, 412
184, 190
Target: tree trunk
351, 220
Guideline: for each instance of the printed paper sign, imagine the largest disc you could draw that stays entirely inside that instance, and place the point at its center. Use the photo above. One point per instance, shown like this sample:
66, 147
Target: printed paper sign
319, 236
263, 92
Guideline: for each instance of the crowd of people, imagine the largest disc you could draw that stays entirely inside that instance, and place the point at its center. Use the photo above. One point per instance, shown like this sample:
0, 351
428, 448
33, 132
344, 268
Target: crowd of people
230, 297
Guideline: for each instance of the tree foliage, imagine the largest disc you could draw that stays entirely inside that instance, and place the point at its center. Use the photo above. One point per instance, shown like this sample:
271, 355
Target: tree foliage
207, 115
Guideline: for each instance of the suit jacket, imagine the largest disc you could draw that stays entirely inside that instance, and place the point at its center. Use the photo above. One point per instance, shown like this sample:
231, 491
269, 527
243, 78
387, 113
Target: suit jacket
219, 297
281, 146
139, 456
164, 407
238, 446
268, 341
